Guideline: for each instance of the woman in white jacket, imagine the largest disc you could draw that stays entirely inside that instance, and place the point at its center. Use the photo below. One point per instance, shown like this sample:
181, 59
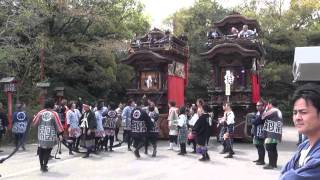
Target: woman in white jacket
172, 124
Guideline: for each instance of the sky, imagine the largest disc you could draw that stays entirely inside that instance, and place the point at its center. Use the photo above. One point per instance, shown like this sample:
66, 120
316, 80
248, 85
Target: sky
159, 10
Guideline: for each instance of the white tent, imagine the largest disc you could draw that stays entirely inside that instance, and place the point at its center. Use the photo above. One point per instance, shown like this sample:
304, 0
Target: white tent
306, 65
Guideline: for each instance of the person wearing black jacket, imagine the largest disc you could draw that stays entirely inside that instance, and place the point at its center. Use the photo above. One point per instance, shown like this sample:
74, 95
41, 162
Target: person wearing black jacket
88, 126
140, 126
228, 121
153, 133
258, 138
201, 131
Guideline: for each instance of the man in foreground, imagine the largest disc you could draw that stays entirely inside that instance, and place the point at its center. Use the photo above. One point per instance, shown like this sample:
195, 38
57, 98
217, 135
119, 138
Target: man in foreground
49, 130
305, 164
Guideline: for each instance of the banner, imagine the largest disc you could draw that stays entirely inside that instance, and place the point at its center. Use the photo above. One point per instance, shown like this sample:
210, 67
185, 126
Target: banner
176, 90
255, 88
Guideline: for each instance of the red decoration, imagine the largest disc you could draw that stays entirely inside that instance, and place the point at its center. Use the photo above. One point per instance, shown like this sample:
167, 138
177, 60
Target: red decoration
255, 88
176, 90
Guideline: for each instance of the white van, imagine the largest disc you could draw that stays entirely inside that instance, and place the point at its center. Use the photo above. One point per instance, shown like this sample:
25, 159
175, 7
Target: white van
306, 65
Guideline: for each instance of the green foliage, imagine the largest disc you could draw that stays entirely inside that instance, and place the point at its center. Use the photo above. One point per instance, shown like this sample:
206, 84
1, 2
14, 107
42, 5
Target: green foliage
80, 40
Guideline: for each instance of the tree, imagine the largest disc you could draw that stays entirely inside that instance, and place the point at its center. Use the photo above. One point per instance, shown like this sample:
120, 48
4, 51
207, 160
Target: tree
80, 40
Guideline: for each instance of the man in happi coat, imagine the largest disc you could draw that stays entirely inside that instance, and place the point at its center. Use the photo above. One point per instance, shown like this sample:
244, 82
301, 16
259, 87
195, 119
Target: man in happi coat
49, 129
126, 121
273, 132
88, 125
140, 126
228, 122
19, 125
99, 131
153, 133
110, 126
201, 129
74, 130
257, 131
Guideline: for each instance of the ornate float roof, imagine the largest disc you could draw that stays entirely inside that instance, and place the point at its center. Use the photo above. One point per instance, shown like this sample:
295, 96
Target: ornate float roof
236, 20
145, 56
227, 49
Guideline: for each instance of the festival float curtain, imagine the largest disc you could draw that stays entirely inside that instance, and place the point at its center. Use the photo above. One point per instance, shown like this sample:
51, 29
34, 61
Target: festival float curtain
255, 88
176, 90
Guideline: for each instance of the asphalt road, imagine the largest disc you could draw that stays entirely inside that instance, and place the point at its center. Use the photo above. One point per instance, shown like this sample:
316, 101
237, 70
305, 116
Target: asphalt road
122, 164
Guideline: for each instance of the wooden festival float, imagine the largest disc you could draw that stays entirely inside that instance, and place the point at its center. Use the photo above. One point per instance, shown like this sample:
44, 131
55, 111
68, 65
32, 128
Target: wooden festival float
236, 62
160, 62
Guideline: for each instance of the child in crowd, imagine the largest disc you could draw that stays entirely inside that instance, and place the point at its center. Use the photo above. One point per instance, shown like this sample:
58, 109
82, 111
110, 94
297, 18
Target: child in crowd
182, 130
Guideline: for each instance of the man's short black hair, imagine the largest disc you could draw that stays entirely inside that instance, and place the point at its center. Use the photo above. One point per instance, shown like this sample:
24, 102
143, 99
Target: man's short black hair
70, 104
227, 104
100, 105
49, 103
145, 103
206, 108
139, 102
172, 103
310, 92
129, 102
182, 110
151, 108
273, 101
113, 106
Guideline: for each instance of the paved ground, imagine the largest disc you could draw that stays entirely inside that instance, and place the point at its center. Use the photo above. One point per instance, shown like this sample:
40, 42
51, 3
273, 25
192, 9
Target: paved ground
122, 164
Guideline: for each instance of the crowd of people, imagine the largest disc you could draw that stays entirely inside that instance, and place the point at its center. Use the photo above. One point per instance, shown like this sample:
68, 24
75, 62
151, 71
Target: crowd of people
95, 127
233, 33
